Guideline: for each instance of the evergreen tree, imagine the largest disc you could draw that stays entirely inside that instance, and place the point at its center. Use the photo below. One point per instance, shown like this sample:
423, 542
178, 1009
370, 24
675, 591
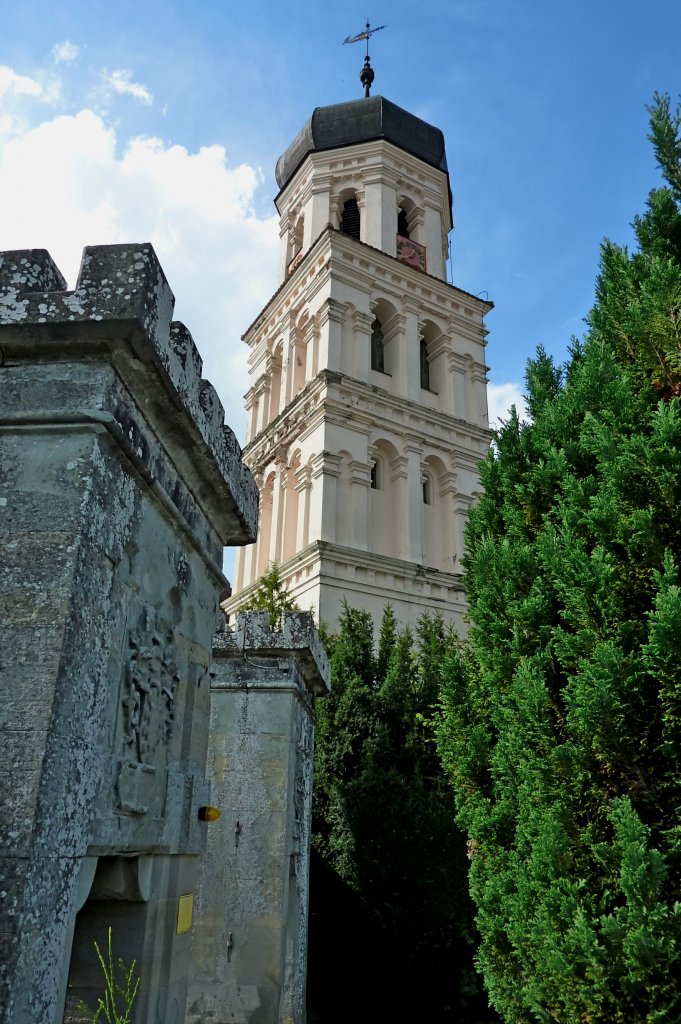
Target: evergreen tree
561, 718
390, 910
271, 596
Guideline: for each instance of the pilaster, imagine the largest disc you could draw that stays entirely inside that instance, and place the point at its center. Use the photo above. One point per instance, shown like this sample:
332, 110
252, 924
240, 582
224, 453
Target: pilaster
304, 488
433, 235
278, 506
410, 368
331, 320
360, 481
361, 332
283, 246
293, 341
318, 211
478, 378
312, 333
380, 196
247, 558
325, 473
414, 504
457, 372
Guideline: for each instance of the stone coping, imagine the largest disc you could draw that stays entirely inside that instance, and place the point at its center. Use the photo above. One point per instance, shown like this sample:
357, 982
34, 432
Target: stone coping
122, 307
252, 634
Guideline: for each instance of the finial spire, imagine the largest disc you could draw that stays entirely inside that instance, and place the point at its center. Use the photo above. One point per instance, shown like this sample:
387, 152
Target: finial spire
366, 75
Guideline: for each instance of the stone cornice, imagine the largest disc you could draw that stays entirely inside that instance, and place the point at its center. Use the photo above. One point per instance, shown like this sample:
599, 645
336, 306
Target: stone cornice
398, 408
381, 273
372, 409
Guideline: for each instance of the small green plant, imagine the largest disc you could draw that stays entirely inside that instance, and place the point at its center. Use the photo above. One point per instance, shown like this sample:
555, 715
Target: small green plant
271, 596
120, 990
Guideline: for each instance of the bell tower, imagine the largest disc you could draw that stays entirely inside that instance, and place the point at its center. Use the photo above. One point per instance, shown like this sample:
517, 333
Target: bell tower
367, 405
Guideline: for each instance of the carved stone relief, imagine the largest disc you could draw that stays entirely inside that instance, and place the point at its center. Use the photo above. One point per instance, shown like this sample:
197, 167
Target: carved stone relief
149, 685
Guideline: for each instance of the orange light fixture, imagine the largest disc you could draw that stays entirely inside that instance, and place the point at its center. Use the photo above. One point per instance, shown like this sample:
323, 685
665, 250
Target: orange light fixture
208, 813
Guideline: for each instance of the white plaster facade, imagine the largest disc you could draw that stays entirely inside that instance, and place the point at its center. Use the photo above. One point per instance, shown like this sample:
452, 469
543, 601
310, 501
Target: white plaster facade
365, 475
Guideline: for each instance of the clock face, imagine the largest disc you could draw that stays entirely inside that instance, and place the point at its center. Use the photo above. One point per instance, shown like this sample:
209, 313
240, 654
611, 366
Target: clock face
411, 253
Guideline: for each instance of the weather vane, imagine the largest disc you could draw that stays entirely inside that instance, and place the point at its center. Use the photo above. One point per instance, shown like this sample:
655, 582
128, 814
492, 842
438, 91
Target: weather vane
366, 74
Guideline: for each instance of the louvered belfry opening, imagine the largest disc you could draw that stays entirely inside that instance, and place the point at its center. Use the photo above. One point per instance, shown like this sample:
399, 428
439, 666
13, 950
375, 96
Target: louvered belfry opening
349, 224
377, 347
425, 365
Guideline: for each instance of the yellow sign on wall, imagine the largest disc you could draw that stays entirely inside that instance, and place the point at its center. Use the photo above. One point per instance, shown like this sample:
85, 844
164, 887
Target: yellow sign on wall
185, 910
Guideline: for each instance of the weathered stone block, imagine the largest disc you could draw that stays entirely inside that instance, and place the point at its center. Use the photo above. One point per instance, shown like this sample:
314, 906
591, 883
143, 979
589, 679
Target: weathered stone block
119, 486
253, 881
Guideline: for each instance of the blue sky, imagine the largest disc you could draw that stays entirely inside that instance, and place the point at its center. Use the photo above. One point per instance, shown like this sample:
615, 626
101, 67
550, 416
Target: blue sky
124, 121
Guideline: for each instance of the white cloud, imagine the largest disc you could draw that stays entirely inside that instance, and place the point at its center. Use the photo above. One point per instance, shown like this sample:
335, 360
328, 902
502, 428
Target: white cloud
500, 398
65, 52
121, 83
198, 212
10, 81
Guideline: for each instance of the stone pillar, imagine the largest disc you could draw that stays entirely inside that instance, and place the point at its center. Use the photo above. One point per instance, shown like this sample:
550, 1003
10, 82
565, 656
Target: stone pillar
304, 489
278, 507
361, 325
249, 556
295, 375
414, 505
399, 485
451, 529
433, 236
478, 376
440, 375
284, 256
325, 472
380, 207
318, 209
417, 229
360, 481
395, 351
265, 525
249, 947
251, 406
457, 369
120, 486
264, 387
410, 370
361, 206
311, 332
275, 375
462, 504
331, 320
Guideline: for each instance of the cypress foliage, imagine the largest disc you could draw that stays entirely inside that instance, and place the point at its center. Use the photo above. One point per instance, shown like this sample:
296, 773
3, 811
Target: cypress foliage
390, 915
561, 718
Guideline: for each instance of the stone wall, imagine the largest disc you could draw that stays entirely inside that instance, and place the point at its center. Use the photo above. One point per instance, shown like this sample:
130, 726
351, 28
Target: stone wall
119, 487
249, 943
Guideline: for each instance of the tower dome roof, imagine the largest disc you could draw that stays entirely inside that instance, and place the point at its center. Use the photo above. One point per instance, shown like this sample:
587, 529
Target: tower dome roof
363, 120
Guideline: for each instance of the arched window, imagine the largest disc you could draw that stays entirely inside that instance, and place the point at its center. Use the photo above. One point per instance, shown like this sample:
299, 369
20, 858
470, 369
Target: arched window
402, 225
425, 366
377, 347
349, 222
